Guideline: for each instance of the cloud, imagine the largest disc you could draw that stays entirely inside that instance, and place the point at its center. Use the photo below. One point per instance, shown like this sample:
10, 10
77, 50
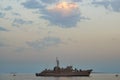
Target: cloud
63, 14
3, 29
49, 1
2, 44
19, 22
8, 8
44, 43
113, 4
16, 14
32, 4
20, 49
77, 0
2, 15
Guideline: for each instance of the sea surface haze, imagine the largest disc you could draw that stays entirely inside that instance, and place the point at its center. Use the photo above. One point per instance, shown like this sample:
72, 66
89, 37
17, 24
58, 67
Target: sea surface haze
33, 77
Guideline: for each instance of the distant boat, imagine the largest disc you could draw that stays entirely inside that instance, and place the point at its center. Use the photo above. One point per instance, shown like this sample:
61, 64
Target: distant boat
13, 74
116, 75
60, 72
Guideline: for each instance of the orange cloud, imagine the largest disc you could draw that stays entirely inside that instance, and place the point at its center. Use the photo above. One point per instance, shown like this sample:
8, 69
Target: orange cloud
65, 9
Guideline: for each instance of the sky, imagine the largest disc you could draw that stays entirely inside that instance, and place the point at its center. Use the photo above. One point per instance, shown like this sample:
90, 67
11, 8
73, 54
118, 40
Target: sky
81, 33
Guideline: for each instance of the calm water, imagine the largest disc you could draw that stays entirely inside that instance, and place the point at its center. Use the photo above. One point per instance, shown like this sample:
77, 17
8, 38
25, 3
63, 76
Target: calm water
33, 77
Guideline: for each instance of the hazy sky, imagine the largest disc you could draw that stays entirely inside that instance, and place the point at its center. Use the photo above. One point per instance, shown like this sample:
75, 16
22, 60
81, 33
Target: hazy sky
82, 33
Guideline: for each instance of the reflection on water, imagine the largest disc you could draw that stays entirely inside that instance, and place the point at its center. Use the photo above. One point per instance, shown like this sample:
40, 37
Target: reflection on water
64, 78
33, 77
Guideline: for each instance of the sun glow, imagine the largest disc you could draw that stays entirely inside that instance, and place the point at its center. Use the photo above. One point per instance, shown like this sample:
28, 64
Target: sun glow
65, 5
65, 9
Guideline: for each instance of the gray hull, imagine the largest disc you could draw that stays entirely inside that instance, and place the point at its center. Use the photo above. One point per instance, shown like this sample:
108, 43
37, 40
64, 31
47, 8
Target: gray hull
62, 74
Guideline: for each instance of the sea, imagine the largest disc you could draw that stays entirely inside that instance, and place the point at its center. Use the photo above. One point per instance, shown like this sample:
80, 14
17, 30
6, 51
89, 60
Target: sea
21, 76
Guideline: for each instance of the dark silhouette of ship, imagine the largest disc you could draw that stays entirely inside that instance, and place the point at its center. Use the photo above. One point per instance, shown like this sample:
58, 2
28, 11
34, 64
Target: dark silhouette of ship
60, 72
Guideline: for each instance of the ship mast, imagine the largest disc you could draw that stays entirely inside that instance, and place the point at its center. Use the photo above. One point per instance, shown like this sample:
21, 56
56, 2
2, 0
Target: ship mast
57, 61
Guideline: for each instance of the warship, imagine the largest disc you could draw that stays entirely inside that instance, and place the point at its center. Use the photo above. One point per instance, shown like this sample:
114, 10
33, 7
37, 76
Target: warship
61, 72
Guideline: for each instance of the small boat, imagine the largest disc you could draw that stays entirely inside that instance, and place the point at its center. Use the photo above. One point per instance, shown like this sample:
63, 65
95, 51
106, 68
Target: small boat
13, 74
116, 75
